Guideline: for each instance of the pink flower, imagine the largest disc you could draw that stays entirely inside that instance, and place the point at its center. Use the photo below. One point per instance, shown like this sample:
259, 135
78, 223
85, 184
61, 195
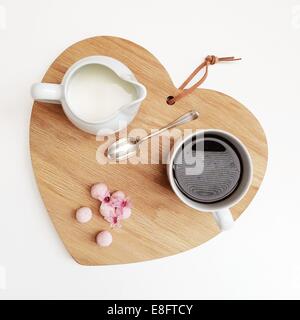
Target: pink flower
117, 198
126, 203
125, 212
124, 208
114, 219
106, 210
110, 214
106, 199
113, 208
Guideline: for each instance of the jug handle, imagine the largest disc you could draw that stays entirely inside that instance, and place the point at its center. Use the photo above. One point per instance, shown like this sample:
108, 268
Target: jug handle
47, 92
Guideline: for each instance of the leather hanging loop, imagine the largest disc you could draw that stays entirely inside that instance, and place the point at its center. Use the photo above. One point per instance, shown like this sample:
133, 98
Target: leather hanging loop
209, 60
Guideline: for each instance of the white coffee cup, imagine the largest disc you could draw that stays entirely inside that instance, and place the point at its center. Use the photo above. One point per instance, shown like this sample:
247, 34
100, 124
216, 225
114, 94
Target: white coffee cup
221, 209
61, 93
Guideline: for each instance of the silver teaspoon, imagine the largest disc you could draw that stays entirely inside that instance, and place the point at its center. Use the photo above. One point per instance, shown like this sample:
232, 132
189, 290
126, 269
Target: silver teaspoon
128, 147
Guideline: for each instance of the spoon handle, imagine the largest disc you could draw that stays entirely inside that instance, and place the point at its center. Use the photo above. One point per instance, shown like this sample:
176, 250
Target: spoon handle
187, 117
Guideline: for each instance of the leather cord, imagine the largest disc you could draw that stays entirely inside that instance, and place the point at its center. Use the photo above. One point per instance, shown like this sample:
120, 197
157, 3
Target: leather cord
209, 60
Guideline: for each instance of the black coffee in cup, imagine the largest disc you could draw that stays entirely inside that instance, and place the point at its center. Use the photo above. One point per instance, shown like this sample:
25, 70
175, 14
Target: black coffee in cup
207, 168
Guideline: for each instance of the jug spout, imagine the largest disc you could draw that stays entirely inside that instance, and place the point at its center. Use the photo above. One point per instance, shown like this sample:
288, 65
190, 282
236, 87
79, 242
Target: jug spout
141, 93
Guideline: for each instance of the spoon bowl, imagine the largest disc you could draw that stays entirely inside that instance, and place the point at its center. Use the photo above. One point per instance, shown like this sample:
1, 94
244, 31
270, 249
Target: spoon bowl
127, 147
122, 149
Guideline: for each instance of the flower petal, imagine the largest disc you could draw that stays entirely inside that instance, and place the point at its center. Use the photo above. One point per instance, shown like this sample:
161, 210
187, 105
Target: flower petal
126, 213
107, 210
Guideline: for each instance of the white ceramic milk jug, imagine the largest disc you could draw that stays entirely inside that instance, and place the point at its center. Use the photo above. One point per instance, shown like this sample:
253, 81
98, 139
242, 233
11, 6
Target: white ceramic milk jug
99, 95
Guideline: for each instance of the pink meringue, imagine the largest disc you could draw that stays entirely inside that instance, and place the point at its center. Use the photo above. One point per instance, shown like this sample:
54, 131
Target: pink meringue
100, 192
118, 195
84, 214
104, 239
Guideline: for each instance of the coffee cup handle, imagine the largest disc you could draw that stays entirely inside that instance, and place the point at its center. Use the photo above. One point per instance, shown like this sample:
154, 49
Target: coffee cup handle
224, 219
47, 92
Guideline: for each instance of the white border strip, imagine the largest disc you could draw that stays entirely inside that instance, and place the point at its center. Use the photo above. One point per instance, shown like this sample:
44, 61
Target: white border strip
2, 278
3, 17
296, 16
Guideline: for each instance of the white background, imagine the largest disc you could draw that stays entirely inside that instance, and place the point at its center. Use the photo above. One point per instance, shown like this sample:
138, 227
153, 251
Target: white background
260, 257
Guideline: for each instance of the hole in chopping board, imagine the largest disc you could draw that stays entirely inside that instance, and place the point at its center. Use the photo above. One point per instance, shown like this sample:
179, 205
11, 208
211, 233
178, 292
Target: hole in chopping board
170, 100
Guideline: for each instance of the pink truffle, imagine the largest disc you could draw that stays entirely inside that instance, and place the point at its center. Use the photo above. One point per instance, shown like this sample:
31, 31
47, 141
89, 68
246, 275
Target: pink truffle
84, 214
104, 239
118, 195
100, 192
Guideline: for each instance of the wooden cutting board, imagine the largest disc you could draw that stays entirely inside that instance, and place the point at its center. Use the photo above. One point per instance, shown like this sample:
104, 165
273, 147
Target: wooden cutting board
65, 165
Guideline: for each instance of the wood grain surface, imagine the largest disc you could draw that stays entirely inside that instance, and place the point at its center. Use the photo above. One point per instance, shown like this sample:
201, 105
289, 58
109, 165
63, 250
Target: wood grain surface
65, 164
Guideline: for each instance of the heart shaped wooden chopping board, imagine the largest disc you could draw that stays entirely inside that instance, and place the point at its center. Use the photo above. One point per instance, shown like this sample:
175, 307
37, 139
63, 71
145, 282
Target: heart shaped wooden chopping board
65, 164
